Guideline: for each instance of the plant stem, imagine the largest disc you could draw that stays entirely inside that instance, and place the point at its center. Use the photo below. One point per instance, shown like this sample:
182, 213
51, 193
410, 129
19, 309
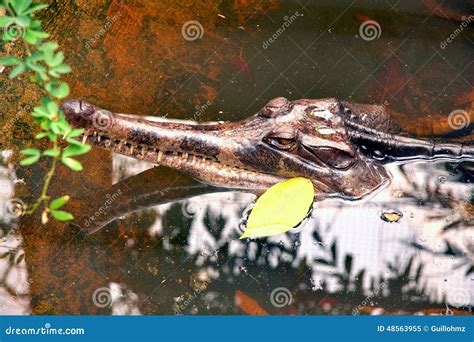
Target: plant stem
44, 193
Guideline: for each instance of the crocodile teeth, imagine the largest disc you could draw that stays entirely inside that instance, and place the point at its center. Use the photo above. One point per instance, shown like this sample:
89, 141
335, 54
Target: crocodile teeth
160, 154
185, 155
98, 138
84, 138
131, 149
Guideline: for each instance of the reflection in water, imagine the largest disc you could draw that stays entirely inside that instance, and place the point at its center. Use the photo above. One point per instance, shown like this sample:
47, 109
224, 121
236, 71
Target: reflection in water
14, 281
345, 260
148, 256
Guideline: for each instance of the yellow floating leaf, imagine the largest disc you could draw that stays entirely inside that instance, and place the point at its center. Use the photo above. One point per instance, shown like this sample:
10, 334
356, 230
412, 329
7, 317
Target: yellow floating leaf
281, 208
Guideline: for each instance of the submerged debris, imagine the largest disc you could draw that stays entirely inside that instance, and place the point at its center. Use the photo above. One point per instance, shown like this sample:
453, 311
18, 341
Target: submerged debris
391, 216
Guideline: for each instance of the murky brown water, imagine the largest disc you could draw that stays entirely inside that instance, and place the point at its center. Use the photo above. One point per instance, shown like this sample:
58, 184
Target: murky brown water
154, 257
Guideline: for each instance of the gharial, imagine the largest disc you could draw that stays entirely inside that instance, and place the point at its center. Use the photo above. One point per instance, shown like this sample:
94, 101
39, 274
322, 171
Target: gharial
341, 146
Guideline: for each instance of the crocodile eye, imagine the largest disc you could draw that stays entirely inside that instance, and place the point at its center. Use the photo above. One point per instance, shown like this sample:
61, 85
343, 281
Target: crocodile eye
281, 143
282, 140
285, 141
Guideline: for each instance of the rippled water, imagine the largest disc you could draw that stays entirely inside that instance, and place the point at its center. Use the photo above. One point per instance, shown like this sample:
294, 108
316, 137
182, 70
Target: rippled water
165, 253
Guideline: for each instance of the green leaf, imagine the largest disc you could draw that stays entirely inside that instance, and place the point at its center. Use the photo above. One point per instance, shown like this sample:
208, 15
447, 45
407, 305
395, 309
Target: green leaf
58, 202
31, 152
35, 8
23, 21
58, 90
72, 164
76, 150
61, 215
48, 47
35, 67
53, 126
6, 21
52, 59
9, 60
76, 133
38, 34
51, 153
62, 69
41, 135
20, 6
41, 110
52, 107
30, 160
35, 24
281, 208
20, 68
30, 38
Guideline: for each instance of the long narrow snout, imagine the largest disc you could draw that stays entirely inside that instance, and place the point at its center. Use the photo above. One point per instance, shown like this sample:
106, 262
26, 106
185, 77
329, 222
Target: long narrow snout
392, 147
168, 135
206, 151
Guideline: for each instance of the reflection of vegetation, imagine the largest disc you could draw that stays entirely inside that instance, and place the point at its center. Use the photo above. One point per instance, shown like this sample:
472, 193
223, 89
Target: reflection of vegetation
251, 270
44, 66
448, 251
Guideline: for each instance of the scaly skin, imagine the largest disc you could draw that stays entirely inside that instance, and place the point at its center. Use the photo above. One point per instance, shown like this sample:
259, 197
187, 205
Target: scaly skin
340, 146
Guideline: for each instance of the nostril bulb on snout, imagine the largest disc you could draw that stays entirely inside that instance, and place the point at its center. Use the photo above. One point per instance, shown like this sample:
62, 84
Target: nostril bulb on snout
71, 107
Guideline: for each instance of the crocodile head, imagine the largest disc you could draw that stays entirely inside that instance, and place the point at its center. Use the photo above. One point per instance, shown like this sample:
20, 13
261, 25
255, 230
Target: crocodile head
318, 139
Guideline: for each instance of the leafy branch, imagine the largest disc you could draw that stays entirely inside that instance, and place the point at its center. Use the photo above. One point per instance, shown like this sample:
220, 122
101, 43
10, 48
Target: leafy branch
44, 66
